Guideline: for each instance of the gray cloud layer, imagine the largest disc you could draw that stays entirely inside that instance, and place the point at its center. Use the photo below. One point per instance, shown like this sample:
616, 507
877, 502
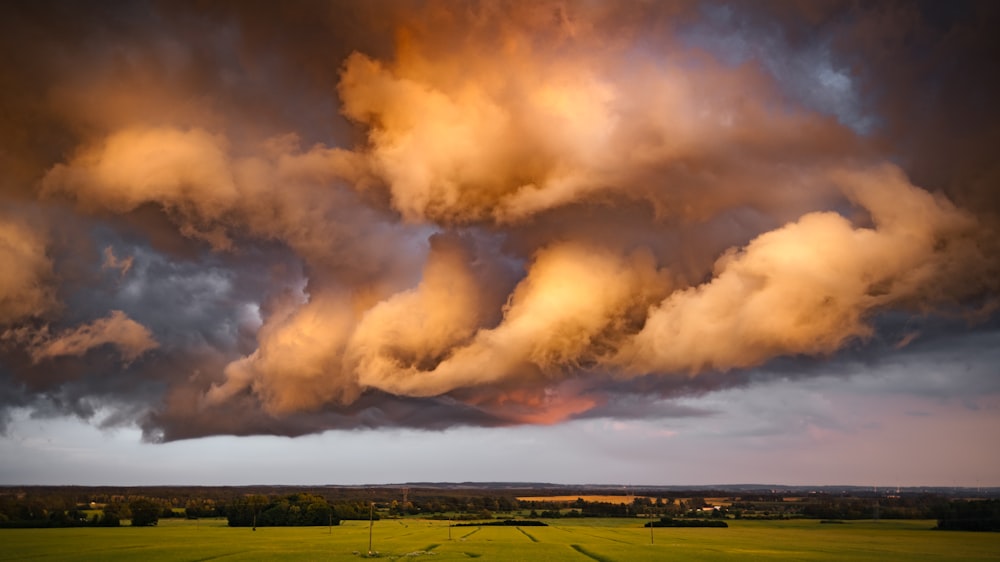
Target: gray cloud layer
243, 218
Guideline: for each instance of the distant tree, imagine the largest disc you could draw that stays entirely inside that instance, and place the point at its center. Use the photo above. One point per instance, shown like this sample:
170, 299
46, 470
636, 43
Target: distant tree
145, 512
978, 515
109, 518
58, 518
292, 510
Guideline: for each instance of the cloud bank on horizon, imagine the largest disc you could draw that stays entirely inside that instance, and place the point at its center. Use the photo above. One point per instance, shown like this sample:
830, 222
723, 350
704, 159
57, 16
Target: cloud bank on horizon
237, 218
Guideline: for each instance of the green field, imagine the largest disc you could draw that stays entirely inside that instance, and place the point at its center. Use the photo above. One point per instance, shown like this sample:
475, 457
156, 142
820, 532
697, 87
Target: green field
580, 539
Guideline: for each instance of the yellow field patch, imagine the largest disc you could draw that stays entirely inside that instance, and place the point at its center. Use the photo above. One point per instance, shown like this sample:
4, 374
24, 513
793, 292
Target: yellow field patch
571, 499
721, 502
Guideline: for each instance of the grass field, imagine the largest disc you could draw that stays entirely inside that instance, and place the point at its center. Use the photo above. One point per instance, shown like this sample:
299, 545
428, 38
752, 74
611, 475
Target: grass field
582, 540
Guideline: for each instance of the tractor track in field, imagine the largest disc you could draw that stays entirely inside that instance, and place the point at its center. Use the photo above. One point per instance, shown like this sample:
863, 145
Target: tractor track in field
469, 534
589, 554
218, 556
591, 535
527, 534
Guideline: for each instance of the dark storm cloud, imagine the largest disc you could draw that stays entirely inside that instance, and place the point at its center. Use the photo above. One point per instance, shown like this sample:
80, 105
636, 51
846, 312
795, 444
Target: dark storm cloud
240, 218
244, 416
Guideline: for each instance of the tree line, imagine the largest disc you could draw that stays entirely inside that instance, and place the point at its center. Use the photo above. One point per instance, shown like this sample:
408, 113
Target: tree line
280, 506
293, 510
983, 515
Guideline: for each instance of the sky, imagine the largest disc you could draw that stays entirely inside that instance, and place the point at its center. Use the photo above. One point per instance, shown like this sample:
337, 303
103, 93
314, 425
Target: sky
573, 242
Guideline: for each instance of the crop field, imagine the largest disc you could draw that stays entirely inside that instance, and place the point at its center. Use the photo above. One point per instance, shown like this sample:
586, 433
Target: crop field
591, 498
582, 540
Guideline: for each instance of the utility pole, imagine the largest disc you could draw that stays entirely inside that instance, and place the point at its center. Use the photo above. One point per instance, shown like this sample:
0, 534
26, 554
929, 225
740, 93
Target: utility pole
876, 504
371, 523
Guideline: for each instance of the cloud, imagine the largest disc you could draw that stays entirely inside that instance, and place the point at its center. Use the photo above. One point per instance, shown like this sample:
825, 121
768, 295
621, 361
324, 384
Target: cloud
488, 213
123, 265
25, 288
130, 338
186, 172
812, 285
557, 119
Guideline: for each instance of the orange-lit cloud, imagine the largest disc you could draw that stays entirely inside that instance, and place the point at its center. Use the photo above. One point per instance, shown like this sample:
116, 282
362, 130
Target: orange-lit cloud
814, 284
128, 336
25, 278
